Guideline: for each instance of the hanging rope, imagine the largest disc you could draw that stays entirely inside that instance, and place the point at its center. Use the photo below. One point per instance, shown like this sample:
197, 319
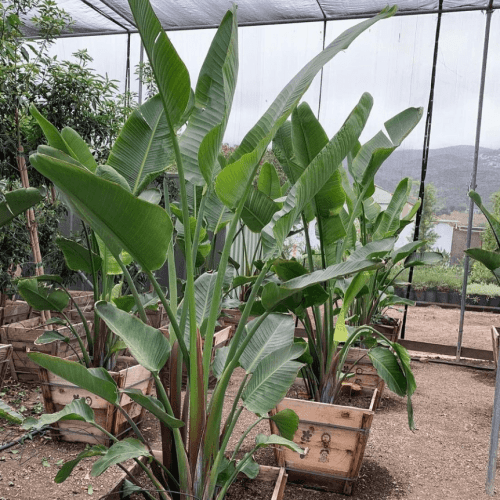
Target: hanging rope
425, 153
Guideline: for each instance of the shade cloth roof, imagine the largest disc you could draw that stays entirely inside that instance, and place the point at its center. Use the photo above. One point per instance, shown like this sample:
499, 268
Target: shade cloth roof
94, 17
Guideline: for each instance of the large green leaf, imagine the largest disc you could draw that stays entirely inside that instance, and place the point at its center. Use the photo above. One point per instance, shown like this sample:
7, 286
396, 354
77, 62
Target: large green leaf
423, 259
76, 410
170, 72
272, 379
372, 154
66, 470
492, 220
263, 440
390, 221
275, 332
153, 406
79, 149
313, 180
258, 210
118, 453
200, 143
273, 294
374, 249
308, 136
489, 259
232, 181
123, 221
309, 139
398, 254
386, 364
40, 297
77, 257
148, 345
268, 181
16, 202
143, 149
10, 414
411, 385
310, 296
51, 133
287, 422
357, 283
95, 380
109, 263
216, 213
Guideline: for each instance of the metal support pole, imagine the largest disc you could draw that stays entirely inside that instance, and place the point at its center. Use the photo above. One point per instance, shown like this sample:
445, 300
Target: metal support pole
425, 154
495, 427
127, 71
141, 62
323, 48
474, 174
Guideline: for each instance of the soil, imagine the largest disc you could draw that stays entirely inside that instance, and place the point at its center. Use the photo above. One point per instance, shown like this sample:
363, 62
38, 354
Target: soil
440, 326
446, 458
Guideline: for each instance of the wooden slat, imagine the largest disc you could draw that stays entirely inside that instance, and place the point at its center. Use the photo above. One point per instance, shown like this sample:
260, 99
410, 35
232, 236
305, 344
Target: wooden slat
113, 494
447, 350
279, 489
5, 361
331, 449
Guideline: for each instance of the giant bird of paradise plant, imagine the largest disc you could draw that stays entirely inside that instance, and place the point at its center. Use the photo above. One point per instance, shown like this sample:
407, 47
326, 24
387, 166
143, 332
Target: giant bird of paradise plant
213, 193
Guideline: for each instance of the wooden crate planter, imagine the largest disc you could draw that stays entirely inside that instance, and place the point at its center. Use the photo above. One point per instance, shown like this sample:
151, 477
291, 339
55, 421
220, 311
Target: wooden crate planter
57, 393
15, 311
336, 438
157, 318
5, 361
84, 299
392, 332
22, 336
365, 374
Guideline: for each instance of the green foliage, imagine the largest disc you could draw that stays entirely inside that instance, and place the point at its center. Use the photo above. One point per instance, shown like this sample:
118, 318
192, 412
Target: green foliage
432, 205
67, 93
214, 192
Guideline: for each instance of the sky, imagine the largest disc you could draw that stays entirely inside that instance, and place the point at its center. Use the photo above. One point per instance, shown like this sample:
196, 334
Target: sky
392, 61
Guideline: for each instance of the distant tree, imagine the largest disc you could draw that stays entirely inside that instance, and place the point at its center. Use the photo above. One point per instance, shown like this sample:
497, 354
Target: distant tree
431, 206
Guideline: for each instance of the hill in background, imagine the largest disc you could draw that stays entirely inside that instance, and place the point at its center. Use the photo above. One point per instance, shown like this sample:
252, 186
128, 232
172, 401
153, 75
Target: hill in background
449, 169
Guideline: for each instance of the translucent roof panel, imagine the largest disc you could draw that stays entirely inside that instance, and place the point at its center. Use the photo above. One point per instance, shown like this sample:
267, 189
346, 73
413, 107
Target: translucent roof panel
338, 8
114, 16
490, 129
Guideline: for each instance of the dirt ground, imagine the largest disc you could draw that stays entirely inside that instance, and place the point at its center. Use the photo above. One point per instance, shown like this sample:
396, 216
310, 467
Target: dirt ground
445, 459
440, 326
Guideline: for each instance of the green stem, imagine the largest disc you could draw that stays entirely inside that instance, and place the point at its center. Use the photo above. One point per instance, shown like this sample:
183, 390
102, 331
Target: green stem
229, 421
133, 289
245, 434
180, 451
85, 354
377, 301
172, 272
158, 486
171, 317
80, 313
199, 224
316, 309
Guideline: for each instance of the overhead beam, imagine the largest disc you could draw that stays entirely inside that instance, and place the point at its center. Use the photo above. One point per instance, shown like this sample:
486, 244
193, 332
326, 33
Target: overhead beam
279, 22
